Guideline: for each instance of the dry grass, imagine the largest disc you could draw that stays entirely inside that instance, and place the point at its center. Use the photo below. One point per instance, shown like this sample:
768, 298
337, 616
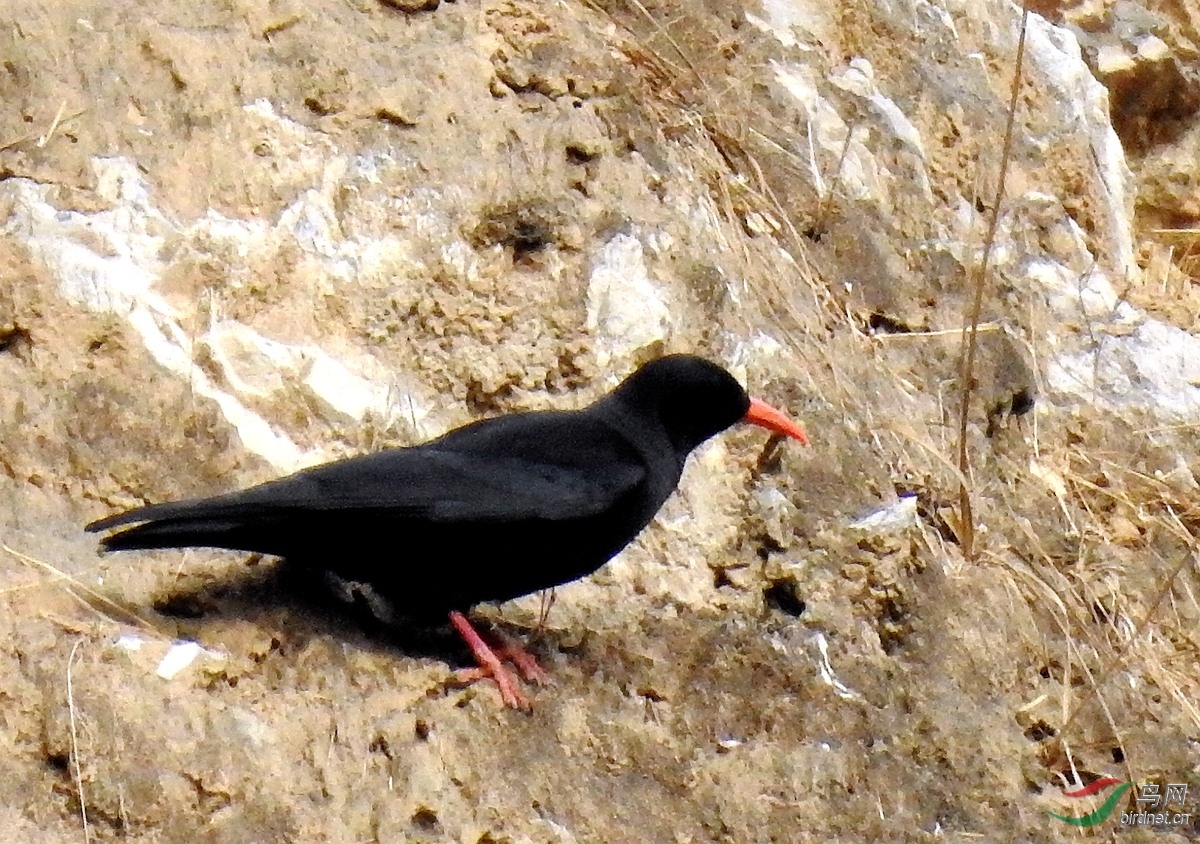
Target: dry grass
1185, 249
966, 380
87, 830
80, 592
1169, 286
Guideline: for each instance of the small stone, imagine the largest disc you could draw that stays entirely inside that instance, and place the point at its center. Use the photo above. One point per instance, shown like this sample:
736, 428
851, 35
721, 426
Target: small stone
401, 105
412, 6
553, 87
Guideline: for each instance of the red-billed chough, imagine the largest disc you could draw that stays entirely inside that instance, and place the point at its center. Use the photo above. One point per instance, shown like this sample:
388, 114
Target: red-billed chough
490, 511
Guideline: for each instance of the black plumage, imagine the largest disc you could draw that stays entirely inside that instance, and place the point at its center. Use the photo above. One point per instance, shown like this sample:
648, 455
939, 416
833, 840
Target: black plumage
493, 510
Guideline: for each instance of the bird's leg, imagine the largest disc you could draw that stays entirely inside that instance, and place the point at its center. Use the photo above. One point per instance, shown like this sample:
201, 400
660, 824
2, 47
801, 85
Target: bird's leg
489, 664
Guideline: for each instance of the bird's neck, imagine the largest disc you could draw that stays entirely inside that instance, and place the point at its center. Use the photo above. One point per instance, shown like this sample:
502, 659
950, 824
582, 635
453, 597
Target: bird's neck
643, 430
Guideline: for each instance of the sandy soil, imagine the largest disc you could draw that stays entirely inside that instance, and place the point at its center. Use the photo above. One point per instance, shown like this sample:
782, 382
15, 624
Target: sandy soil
757, 667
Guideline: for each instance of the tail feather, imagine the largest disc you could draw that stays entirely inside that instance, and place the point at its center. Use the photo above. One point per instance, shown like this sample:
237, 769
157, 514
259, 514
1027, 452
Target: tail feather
176, 511
181, 533
138, 514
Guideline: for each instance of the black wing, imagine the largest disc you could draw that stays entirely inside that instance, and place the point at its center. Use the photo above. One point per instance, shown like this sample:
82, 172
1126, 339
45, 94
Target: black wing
544, 466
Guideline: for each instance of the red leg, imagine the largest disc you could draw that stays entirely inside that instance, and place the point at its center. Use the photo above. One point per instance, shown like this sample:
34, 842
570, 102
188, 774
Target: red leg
523, 659
489, 664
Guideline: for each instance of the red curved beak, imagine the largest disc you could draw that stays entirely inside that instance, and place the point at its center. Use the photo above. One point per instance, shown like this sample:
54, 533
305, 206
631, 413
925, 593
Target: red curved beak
761, 413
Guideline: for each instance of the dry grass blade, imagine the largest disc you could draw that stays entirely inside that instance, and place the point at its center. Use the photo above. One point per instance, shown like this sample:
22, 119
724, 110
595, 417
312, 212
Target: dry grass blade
944, 332
111, 605
971, 325
43, 138
87, 830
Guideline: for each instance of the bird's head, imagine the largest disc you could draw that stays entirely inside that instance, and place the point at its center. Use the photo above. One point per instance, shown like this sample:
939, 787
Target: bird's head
694, 399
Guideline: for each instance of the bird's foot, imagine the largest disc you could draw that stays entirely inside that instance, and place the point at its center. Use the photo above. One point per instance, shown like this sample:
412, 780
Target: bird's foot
490, 664
526, 662
509, 651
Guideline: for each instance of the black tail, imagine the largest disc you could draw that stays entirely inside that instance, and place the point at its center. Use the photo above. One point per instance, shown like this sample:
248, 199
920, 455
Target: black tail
172, 511
179, 533
225, 521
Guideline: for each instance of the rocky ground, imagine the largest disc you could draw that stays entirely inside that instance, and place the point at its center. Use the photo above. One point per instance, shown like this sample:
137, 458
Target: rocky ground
243, 236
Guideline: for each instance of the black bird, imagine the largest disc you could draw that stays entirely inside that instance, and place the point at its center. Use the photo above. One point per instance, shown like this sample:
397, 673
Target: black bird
490, 511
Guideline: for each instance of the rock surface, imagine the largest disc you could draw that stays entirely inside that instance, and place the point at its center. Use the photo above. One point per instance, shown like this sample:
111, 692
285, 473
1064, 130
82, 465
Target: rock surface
242, 237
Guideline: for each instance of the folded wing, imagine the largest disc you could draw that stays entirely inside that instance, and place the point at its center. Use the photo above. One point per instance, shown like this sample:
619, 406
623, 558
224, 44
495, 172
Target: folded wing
434, 483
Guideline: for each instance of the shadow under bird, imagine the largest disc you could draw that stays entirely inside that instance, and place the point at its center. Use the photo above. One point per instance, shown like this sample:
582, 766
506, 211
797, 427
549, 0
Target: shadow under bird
490, 511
